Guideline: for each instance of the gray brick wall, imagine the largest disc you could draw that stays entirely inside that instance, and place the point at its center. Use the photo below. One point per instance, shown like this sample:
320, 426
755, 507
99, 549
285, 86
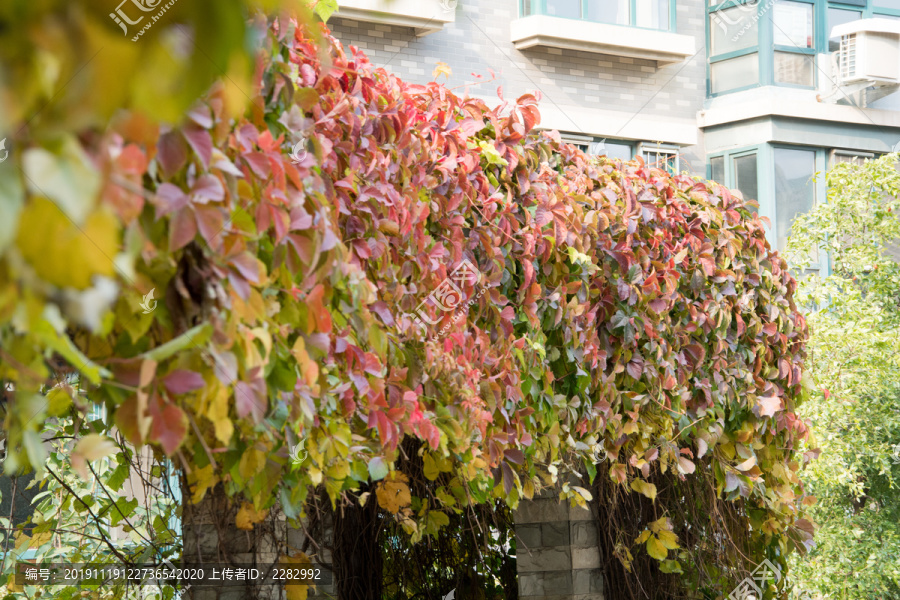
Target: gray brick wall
480, 40
557, 556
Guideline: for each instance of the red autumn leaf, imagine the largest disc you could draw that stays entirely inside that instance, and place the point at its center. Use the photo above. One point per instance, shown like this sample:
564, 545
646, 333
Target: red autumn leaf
169, 198
171, 152
184, 228
250, 398
208, 188
181, 381
317, 309
201, 142
168, 425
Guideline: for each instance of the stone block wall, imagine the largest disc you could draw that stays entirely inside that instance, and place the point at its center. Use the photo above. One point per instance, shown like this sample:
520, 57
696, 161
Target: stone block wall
556, 551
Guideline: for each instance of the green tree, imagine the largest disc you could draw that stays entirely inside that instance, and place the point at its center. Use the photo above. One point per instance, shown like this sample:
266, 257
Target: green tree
854, 353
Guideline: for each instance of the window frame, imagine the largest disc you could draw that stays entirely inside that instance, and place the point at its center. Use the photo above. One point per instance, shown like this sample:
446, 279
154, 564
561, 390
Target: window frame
657, 148
765, 172
539, 7
714, 58
584, 142
809, 52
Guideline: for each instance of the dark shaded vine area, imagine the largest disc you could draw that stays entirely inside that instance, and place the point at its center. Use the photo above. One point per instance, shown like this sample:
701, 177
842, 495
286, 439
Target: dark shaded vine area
374, 559
713, 535
475, 555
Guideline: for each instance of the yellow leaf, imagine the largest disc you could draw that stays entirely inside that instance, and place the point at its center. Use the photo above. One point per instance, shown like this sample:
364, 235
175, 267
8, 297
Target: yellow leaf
217, 413
252, 462
296, 561
656, 549
63, 254
645, 535
441, 68
338, 471
315, 475
647, 489
393, 493
59, 399
309, 369
431, 469
668, 539
248, 516
528, 489
203, 479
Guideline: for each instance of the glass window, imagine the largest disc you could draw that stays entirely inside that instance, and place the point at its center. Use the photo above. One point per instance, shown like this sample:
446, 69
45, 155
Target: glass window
793, 68
793, 24
837, 16
734, 73
662, 159
886, 4
617, 12
795, 188
570, 9
848, 156
616, 150
653, 14
745, 176
733, 29
717, 169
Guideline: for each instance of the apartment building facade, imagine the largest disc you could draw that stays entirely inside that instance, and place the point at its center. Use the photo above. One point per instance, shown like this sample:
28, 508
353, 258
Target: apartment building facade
743, 91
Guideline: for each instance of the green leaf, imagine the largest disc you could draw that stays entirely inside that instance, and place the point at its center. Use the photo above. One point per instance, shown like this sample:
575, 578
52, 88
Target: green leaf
491, 154
196, 336
378, 468
670, 566
68, 350
35, 449
12, 199
325, 8
67, 177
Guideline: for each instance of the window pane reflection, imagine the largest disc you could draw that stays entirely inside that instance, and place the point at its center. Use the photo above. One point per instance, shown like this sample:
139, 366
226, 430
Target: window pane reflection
616, 12
733, 29
793, 24
836, 17
653, 14
717, 169
796, 69
745, 176
795, 188
570, 9
734, 73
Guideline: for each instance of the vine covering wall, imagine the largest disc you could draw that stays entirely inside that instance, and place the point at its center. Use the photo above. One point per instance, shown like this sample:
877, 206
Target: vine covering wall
612, 319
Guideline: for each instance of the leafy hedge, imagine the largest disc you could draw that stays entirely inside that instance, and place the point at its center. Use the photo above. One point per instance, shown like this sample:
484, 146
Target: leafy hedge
626, 321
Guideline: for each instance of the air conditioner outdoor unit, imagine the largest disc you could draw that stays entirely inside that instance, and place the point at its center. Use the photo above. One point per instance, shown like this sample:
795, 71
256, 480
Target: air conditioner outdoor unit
869, 52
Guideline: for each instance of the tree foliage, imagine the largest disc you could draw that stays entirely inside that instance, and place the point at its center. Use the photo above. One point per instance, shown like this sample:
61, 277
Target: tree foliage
855, 360
620, 313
